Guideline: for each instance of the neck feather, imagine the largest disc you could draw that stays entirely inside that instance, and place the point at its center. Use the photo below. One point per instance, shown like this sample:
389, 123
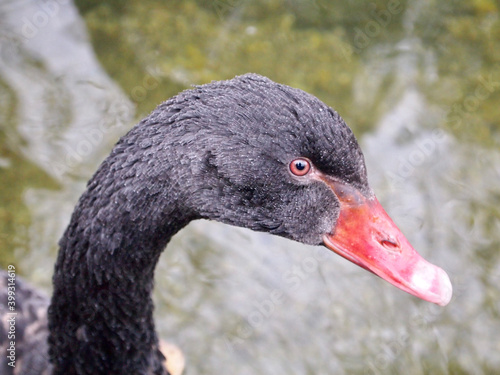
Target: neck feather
101, 314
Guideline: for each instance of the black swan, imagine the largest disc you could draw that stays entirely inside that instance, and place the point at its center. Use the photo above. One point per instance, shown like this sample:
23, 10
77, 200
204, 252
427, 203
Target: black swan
247, 152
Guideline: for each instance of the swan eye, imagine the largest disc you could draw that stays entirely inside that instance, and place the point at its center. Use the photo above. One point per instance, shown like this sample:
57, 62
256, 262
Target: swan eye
300, 167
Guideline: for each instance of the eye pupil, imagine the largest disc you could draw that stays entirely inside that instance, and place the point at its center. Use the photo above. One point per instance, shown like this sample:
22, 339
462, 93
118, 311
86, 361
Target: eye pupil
300, 167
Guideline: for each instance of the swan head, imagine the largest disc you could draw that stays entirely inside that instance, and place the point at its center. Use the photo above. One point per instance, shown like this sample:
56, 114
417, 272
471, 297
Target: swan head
272, 158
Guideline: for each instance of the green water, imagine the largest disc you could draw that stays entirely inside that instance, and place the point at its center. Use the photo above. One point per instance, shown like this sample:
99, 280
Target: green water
419, 83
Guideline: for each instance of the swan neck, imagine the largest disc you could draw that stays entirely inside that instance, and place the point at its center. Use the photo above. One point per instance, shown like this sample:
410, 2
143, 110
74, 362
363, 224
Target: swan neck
101, 314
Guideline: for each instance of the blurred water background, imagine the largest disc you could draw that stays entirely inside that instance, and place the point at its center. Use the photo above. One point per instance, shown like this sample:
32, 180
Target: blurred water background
419, 83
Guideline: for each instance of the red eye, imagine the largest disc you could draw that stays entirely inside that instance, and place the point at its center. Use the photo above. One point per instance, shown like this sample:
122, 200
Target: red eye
300, 167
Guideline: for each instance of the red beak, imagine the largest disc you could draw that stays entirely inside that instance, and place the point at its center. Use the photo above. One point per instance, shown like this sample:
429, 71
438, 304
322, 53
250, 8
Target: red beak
366, 235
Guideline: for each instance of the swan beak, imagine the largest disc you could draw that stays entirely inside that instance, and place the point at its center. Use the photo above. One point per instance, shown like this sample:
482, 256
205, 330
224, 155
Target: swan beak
366, 235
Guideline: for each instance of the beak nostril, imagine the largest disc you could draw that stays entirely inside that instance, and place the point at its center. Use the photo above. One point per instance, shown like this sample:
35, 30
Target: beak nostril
390, 244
